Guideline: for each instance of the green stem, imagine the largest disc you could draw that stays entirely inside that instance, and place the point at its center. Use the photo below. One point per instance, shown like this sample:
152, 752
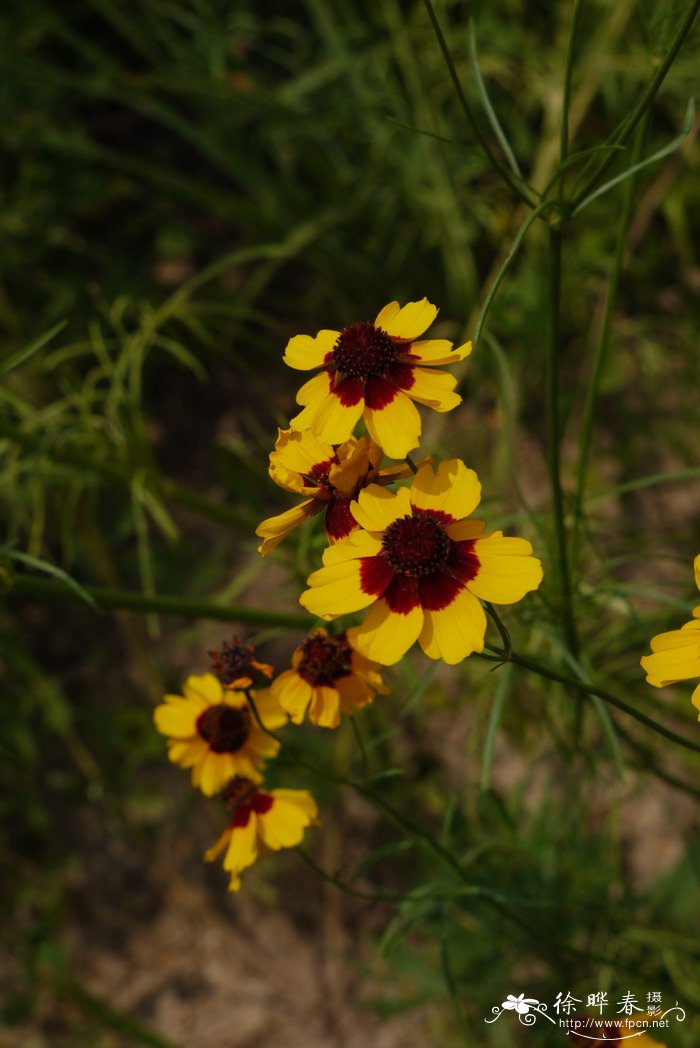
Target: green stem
411, 464
601, 355
628, 125
566, 97
47, 591
589, 689
348, 889
471, 120
554, 434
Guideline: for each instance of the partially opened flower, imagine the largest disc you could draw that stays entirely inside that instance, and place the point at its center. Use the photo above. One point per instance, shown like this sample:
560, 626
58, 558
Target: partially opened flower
328, 478
328, 677
676, 655
423, 566
212, 730
260, 819
236, 666
375, 371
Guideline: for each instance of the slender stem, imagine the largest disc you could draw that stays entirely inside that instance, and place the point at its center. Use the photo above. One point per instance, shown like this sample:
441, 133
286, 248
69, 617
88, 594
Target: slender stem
357, 893
566, 97
109, 599
628, 125
554, 434
505, 635
471, 120
360, 746
601, 355
590, 689
411, 464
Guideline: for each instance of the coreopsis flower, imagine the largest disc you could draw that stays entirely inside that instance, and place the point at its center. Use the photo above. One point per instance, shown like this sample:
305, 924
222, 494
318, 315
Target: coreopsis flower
328, 677
236, 666
423, 566
676, 655
327, 477
213, 730
260, 819
375, 372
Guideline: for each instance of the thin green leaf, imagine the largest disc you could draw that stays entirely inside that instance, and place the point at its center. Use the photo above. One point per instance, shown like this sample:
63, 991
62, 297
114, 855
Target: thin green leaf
500, 695
23, 354
419, 689
48, 569
486, 102
659, 155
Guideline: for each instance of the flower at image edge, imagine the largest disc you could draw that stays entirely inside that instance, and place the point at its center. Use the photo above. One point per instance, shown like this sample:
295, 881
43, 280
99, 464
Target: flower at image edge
328, 677
423, 566
328, 478
375, 371
676, 655
260, 818
213, 730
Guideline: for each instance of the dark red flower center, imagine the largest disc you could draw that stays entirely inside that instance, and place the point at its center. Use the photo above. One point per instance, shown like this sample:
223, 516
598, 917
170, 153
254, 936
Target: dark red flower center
363, 350
233, 661
241, 797
319, 473
224, 728
416, 546
324, 659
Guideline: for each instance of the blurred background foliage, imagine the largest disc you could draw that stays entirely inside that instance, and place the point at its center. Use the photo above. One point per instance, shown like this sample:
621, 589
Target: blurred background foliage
185, 185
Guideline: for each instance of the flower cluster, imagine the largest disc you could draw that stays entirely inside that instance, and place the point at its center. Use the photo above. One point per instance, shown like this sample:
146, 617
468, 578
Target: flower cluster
411, 555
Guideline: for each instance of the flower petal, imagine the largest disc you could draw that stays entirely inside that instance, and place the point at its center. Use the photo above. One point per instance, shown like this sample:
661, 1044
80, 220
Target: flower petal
275, 529
335, 589
376, 508
314, 394
385, 636
336, 417
304, 352
438, 351
453, 490
177, 717
434, 388
507, 571
396, 427
284, 824
325, 707
454, 631
204, 687
293, 694
408, 322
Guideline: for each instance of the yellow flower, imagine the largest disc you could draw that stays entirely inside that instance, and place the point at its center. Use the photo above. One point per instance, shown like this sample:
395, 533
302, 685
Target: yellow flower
327, 478
328, 677
423, 566
375, 372
212, 730
676, 655
236, 666
271, 819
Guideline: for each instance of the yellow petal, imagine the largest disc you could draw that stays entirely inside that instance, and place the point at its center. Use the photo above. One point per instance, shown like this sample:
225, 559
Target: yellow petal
506, 570
314, 393
409, 322
465, 529
434, 388
358, 544
270, 709
212, 771
455, 631
376, 508
671, 666
284, 824
453, 489
243, 846
438, 351
204, 687
275, 529
216, 849
298, 452
325, 707
695, 699
352, 467
335, 421
696, 567
336, 590
304, 352
178, 718
386, 636
293, 693
354, 692
396, 427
